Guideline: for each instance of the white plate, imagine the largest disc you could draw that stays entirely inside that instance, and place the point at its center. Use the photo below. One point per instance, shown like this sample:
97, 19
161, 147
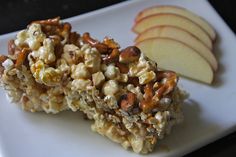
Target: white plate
209, 113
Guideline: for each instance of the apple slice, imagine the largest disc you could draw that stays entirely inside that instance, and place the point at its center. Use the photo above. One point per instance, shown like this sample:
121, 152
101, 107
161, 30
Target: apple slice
174, 55
173, 20
182, 36
179, 11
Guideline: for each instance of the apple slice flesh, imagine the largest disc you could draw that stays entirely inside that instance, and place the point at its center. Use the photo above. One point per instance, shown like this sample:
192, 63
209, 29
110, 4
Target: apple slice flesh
182, 36
173, 20
179, 11
173, 55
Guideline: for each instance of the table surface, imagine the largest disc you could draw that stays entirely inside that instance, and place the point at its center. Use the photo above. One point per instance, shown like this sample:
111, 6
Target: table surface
16, 14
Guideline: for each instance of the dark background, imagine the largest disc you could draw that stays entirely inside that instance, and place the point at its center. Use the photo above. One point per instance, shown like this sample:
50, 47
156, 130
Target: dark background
16, 14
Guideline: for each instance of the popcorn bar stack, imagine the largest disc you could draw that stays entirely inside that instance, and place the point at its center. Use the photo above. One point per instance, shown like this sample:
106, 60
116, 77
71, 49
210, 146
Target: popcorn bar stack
50, 68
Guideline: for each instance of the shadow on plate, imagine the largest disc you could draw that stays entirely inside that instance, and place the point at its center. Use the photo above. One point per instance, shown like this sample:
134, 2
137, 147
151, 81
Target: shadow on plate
67, 122
218, 52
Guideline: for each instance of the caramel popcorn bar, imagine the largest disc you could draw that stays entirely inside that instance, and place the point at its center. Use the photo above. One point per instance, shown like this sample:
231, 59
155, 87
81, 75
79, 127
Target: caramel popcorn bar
50, 68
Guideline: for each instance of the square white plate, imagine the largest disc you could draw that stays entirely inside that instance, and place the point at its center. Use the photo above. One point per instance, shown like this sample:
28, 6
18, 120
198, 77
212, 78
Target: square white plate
209, 113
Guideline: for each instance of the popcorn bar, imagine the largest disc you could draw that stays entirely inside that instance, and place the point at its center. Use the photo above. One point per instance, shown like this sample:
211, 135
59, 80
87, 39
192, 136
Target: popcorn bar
50, 68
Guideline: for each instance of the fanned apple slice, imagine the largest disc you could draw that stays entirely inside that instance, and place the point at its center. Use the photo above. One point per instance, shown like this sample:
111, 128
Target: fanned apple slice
182, 36
173, 20
179, 11
174, 55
